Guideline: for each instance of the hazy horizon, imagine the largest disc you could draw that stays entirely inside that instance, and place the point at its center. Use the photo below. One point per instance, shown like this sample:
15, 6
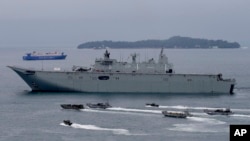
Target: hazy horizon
70, 23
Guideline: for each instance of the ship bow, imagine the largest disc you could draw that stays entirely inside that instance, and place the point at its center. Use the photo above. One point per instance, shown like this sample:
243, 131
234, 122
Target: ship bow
25, 74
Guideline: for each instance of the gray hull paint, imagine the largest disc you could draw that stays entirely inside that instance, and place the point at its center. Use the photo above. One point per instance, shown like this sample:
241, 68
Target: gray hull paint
123, 82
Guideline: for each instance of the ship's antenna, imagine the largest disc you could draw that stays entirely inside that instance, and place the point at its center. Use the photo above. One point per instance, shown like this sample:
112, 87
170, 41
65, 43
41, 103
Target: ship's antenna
161, 54
120, 56
145, 56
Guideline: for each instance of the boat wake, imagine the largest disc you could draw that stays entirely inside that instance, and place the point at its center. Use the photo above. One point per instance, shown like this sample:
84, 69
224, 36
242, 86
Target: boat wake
197, 116
206, 120
201, 125
97, 111
243, 47
181, 107
242, 110
122, 110
198, 128
96, 128
135, 110
239, 115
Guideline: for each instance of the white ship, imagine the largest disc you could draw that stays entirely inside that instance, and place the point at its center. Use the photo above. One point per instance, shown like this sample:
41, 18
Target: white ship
109, 75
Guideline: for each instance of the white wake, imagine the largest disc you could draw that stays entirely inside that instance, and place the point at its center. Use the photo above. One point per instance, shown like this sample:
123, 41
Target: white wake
96, 128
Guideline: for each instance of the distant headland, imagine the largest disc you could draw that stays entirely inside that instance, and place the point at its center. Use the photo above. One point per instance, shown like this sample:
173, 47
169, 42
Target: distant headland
173, 42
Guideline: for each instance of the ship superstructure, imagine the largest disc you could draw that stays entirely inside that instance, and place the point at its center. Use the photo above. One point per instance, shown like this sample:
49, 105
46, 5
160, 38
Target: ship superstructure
112, 65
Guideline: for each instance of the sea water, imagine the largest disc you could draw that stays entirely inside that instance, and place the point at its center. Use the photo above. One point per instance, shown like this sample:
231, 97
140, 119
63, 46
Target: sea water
26, 115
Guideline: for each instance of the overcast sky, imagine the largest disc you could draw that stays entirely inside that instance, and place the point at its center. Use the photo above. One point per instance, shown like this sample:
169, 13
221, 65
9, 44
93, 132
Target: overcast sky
71, 22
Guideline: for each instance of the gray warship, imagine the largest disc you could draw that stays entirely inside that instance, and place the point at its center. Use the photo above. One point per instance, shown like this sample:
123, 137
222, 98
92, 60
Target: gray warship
111, 76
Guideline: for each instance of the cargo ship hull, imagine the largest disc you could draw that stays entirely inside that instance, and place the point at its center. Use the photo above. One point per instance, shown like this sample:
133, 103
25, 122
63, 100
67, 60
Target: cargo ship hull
56, 57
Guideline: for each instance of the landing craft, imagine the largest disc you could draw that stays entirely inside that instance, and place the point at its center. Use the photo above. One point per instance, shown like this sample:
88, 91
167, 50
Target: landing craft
218, 112
72, 106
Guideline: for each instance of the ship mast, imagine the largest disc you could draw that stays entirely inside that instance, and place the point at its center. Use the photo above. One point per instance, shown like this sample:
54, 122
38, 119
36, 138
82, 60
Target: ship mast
106, 54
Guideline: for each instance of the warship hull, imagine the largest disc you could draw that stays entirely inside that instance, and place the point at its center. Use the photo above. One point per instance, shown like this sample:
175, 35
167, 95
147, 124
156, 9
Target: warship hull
116, 82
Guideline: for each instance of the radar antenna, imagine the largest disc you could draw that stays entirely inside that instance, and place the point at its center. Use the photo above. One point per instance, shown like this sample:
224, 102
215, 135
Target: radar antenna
134, 55
106, 54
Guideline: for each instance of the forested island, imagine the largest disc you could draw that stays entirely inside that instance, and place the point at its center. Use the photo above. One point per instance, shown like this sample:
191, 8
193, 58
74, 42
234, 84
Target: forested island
173, 42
